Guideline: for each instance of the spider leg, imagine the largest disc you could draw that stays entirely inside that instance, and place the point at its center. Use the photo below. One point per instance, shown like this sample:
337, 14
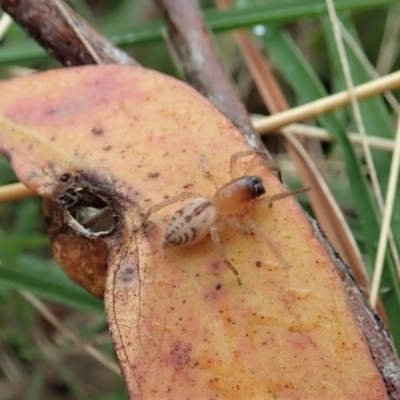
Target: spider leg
206, 172
234, 223
240, 154
279, 196
162, 204
233, 164
221, 252
250, 223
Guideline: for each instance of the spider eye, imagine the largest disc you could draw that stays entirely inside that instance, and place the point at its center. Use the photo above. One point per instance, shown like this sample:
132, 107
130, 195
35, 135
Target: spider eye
257, 186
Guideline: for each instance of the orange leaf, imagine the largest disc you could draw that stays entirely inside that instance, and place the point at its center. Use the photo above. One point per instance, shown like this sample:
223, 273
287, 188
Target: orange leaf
181, 325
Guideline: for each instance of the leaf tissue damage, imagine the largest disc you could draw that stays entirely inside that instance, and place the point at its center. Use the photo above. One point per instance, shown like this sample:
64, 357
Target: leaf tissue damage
102, 144
77, 220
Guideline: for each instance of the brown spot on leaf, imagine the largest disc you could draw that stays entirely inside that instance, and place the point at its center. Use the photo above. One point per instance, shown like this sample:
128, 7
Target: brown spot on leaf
258, 264
180, 354
153, 175
97, 131
51, 111
128, 274
107, 148
215, 266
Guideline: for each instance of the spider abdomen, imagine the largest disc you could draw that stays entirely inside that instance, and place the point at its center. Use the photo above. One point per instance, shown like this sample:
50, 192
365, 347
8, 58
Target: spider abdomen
190, 224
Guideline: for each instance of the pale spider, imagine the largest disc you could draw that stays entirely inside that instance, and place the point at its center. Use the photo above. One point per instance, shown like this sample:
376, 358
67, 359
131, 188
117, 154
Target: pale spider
204, 215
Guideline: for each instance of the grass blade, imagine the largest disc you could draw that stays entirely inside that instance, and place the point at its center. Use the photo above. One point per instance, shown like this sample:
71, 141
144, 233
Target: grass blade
62, 292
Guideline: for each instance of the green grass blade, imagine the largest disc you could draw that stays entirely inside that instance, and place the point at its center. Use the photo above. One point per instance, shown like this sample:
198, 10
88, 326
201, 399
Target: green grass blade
24, 242
281, 12
62, 292
36, 385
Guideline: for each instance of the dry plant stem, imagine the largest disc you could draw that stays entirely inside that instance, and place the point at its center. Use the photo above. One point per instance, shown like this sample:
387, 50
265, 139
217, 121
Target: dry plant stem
50, 317
69, 18
358, 52
354, 103
387, 216
328, 104
314, 132
10, 367
46, 23
5, 23
13, 192
390, 44
194, 46
260, 71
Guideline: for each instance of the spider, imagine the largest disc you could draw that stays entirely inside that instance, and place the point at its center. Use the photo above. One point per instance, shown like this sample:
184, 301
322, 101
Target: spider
203, 215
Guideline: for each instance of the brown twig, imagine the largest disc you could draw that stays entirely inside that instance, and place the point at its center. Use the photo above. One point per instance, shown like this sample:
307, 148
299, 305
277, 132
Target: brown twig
46, 22
201, 64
